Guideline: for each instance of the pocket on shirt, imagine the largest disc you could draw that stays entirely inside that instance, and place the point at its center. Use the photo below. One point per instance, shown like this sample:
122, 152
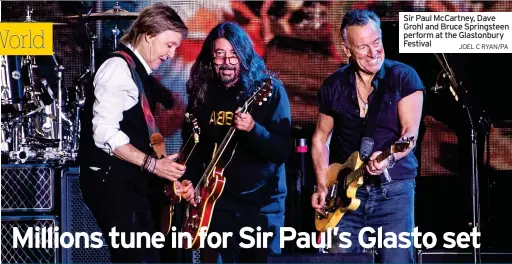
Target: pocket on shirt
389, 110
389, 101
345, 118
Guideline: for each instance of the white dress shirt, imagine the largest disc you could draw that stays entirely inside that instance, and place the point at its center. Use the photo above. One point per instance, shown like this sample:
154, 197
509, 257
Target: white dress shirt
115, 92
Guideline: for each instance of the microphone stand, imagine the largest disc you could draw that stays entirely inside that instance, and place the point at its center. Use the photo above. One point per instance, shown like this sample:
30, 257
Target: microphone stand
59, 68
461, 94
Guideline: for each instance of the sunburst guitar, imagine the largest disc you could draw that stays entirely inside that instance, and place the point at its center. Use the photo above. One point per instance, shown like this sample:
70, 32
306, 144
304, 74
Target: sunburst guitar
211, 185
343, 181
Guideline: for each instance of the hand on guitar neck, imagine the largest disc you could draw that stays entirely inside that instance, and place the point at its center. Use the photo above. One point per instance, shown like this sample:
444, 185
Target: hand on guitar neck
374, 167
379, 161
244, 121
169, 167
337, 194
174, 190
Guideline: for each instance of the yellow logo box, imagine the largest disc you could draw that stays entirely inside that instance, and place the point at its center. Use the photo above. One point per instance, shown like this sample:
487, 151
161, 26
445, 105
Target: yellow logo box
26, 38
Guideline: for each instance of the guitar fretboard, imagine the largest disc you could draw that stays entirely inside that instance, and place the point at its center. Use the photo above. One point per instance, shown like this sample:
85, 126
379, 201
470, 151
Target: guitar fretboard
384, 155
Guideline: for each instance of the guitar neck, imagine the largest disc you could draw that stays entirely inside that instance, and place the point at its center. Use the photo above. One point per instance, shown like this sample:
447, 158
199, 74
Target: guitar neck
360, 172
226, 140
385, 154
218, 153
186, 150
222, 147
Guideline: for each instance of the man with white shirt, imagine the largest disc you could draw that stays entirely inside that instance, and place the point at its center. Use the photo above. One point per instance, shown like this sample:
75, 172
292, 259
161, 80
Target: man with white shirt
118, 175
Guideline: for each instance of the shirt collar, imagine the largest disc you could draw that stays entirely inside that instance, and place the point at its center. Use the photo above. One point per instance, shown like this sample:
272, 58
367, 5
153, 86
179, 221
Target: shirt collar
146, 66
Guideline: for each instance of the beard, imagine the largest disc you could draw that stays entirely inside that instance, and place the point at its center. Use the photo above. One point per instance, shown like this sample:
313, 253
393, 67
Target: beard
225, 78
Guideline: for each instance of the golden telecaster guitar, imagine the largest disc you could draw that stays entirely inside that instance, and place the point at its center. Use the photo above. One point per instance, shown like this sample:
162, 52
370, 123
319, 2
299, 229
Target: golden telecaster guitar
343, 180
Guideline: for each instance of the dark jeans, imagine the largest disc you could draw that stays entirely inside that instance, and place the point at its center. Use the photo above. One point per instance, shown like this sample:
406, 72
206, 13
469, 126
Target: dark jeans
224, 221
390, 206
115, 202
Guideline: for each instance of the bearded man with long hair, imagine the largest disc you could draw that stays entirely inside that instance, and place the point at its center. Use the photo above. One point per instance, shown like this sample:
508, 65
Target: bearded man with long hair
226, 73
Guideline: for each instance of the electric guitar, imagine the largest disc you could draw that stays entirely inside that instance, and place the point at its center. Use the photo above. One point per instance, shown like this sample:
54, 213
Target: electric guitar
210, 186
170, 188
343, 180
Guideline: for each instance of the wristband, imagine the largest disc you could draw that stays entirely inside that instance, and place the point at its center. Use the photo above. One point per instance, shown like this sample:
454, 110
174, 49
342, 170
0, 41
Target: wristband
144, 162
392, 161
150, 165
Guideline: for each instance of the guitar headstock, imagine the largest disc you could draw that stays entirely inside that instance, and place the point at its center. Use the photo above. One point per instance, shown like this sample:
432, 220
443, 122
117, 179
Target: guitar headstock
403, 144
195, 127
264, 92
260, 96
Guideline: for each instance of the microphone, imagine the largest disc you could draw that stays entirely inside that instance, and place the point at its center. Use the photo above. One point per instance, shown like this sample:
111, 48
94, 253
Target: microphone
442, 84
366, 148
445, 84
436, 88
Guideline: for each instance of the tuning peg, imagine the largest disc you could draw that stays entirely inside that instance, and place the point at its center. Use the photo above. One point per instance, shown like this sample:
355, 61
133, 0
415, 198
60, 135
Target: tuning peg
260, 103
265, 99
269, 94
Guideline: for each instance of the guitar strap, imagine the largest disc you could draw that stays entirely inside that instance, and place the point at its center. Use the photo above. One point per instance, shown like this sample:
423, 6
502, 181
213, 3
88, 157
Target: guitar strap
157, 140
372, 118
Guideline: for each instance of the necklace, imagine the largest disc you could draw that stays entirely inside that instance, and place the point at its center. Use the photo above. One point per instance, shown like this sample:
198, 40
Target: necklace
365, 104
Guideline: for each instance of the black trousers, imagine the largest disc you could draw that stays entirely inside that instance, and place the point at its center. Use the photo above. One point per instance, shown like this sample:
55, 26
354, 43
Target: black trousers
116, 201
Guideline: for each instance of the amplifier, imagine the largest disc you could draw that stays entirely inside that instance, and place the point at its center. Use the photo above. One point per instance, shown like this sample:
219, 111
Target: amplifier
27, 188
24, 254
462, 257
76, 217
323, 258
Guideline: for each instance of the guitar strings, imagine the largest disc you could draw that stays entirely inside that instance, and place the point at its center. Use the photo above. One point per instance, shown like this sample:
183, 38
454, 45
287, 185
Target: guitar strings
184, 145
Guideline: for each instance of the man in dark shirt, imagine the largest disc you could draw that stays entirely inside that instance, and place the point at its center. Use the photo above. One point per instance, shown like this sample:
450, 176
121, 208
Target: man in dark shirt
387, 196
225, 74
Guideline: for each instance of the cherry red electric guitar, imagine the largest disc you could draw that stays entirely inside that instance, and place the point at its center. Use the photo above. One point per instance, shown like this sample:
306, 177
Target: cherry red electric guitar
209, 188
